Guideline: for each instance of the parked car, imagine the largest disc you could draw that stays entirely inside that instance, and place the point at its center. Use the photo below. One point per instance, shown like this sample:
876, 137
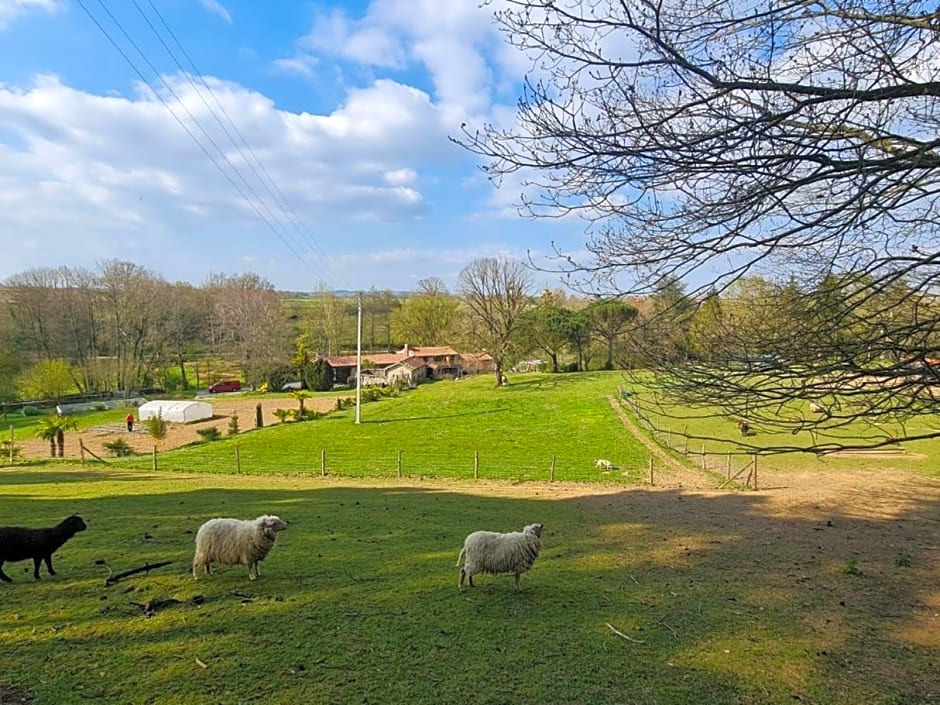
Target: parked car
225, 385
292, 386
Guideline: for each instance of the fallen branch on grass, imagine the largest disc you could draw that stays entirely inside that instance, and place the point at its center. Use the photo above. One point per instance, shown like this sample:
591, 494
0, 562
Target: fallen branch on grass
622, 635
111, 579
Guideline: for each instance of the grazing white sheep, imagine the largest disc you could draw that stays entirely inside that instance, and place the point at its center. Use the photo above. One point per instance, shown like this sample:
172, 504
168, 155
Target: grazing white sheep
604, 464
495, 553
236, 542
815, 408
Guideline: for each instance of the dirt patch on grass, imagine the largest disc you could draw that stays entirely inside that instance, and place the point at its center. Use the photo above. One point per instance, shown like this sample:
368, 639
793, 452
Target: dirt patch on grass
179, 434
10, 695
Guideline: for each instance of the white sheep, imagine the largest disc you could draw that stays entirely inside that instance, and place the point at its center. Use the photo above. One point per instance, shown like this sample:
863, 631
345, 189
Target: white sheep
604, 464
236, 542
495, 553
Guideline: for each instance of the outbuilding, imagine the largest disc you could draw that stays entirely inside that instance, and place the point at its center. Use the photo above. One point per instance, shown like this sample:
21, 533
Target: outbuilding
175, 411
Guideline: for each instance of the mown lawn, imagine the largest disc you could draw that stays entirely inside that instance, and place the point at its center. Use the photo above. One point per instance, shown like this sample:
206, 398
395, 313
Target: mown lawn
723, 600
446, 429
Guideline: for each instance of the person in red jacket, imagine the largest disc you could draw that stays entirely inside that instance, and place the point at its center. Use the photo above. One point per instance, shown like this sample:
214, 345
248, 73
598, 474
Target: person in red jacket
129, 420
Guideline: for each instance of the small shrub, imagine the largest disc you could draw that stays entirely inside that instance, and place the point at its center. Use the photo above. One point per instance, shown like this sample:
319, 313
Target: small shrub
209, 434
284, 415
851, 567
233, 425
156, 426
903, 560
119, 448
30, 411
5, 450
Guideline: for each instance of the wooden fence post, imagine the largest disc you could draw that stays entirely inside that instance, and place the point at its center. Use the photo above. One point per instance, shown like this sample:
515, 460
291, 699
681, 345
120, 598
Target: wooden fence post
729, 464
755, 471
551, 473
651, 471
238, 461
81, 450
323, 463
11, 445
476, 465
154, 458
399, 462
703, 456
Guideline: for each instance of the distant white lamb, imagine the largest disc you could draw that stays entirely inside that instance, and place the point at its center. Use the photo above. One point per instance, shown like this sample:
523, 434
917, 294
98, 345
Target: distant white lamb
495, 553
236, 542
604, 464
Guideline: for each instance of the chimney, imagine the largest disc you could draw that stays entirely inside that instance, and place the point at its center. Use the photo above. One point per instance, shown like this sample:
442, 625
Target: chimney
408, 351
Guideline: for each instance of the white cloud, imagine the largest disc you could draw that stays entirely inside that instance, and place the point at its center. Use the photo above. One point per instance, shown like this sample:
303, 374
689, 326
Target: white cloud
11, 9
216, 8
301, 64
84, 175
400, 177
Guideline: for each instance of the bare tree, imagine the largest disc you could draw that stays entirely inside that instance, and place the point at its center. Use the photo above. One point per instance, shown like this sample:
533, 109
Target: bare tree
132, 316
495, 292
248, 322
708, 139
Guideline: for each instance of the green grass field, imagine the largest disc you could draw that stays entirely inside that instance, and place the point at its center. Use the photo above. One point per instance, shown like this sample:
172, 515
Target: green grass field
445, 429
722, 601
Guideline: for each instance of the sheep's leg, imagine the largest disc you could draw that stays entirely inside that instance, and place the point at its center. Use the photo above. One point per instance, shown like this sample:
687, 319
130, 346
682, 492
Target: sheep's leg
517, 580
49, 564
3, 576
463, 576
37, 561
252, 567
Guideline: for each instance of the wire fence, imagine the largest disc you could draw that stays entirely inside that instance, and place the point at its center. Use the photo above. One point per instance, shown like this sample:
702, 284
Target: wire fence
434, 459
728, 468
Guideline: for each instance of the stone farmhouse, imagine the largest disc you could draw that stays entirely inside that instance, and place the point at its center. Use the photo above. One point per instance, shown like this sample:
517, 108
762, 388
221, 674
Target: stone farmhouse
410, 365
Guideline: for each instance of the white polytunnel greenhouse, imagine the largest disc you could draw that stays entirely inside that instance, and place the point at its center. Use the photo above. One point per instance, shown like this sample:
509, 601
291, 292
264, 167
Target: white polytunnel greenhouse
175, 411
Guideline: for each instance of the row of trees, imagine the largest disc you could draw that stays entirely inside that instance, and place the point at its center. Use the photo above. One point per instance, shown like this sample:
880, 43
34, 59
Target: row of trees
121, 327
111, 328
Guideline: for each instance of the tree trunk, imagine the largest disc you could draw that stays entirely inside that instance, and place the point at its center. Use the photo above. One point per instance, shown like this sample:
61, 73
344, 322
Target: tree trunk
182, 365
554, 357
52, 446
60, 439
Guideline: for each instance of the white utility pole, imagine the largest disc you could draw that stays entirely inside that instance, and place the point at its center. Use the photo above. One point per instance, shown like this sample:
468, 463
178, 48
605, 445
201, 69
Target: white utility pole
359, 357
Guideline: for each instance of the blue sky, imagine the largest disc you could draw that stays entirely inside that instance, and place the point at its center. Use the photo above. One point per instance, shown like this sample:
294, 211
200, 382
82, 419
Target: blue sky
342, 111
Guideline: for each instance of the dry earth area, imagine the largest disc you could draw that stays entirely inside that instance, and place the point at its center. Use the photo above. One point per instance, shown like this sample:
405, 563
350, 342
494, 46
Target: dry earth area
179, 434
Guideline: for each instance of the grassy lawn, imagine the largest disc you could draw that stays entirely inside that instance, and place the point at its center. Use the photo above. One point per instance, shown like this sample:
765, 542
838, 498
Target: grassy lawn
718, 434
724, 600
446, 429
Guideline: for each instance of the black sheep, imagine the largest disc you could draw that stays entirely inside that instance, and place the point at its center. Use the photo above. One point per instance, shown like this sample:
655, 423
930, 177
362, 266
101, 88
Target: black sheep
17, 543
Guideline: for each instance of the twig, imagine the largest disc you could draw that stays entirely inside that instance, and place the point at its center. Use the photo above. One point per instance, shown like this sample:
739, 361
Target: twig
155, 604
621, 634
674, 632
200, 663
143, 569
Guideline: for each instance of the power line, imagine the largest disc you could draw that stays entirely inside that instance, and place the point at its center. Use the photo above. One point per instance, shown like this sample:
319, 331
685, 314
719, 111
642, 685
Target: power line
274, 191
254, 206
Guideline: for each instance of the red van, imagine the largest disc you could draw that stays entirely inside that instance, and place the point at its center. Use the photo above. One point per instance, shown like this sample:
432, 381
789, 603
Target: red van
225, 385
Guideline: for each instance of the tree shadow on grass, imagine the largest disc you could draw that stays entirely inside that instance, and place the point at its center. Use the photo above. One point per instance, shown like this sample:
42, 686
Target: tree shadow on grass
717, 598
